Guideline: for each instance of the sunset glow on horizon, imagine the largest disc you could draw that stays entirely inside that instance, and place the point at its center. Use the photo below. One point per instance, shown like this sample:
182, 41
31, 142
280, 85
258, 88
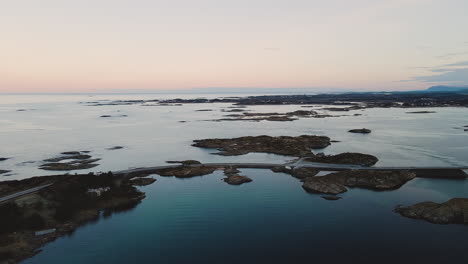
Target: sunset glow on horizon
108, 45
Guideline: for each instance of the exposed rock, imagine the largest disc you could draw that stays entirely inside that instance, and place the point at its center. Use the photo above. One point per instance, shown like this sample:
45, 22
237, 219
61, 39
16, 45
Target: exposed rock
186, 171
139, 181
443, 174
301, 113
230, 171
203, 110
74, 157
336, 109
282, 169
234, 110
360, 130
279, 118
345, 158
331, 197
421, 112
289, 116
115, 148
106, 116
78, 161
302, 173
68, 166
3, 159
335, 183
289, 146
4, 171
71, 153
184, 162
454, 211
329, 184
237, 179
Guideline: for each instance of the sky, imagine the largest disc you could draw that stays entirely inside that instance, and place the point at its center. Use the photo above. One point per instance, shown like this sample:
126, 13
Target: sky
112, 45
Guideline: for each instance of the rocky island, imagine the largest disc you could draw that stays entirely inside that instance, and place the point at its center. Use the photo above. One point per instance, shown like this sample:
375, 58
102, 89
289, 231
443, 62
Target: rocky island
70, 160
68, 202
283, 145
336, 183
454, 211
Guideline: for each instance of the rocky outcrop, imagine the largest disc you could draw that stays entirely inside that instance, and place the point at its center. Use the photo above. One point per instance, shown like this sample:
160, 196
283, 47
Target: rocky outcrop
288, 146
441, 173
302, 173
115, 148
4, 171
67, 156
229, 171
273, 116
329, 184
142, 181
186, 171
360, 130
282, 169
345, 158
237, 179
69, 166
421, 112
184, 162
3, 159
78, 161
233, 177
337, 182
454, 211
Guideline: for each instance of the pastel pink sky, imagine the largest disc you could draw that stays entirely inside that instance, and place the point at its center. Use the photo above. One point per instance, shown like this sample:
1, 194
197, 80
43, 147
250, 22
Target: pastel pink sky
94, 45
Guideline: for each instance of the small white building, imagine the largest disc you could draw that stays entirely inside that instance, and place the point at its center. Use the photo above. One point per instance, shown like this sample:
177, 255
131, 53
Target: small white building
98, 191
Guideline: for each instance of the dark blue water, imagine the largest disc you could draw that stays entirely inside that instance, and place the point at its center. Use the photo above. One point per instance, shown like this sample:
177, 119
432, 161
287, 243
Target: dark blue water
270, 220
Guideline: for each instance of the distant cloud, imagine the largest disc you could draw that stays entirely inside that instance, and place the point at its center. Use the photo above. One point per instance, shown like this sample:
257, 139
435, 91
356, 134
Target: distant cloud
453, 54
460, 63
454, 76
453, 73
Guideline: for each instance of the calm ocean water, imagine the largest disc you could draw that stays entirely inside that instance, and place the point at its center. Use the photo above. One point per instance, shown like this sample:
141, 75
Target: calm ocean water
272, 220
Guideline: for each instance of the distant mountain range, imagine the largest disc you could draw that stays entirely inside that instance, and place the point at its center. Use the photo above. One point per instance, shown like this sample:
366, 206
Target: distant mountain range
446, 89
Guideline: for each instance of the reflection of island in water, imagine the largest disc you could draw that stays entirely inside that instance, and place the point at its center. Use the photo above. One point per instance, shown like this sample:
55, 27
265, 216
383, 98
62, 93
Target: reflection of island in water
67, 202
70, 201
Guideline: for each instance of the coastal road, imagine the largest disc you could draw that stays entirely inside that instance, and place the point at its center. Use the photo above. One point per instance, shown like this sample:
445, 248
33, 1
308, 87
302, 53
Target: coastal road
25, 192
296, 164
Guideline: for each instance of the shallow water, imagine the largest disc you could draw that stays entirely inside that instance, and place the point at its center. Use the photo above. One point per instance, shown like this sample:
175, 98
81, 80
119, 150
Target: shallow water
204, 220
153, 134
271, 220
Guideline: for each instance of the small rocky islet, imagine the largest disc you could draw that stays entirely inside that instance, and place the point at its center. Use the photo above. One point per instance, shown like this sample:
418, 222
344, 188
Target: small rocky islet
70, 160
360, 131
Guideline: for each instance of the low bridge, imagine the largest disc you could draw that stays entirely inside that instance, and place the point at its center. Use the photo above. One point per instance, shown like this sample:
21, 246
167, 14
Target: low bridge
430, 171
